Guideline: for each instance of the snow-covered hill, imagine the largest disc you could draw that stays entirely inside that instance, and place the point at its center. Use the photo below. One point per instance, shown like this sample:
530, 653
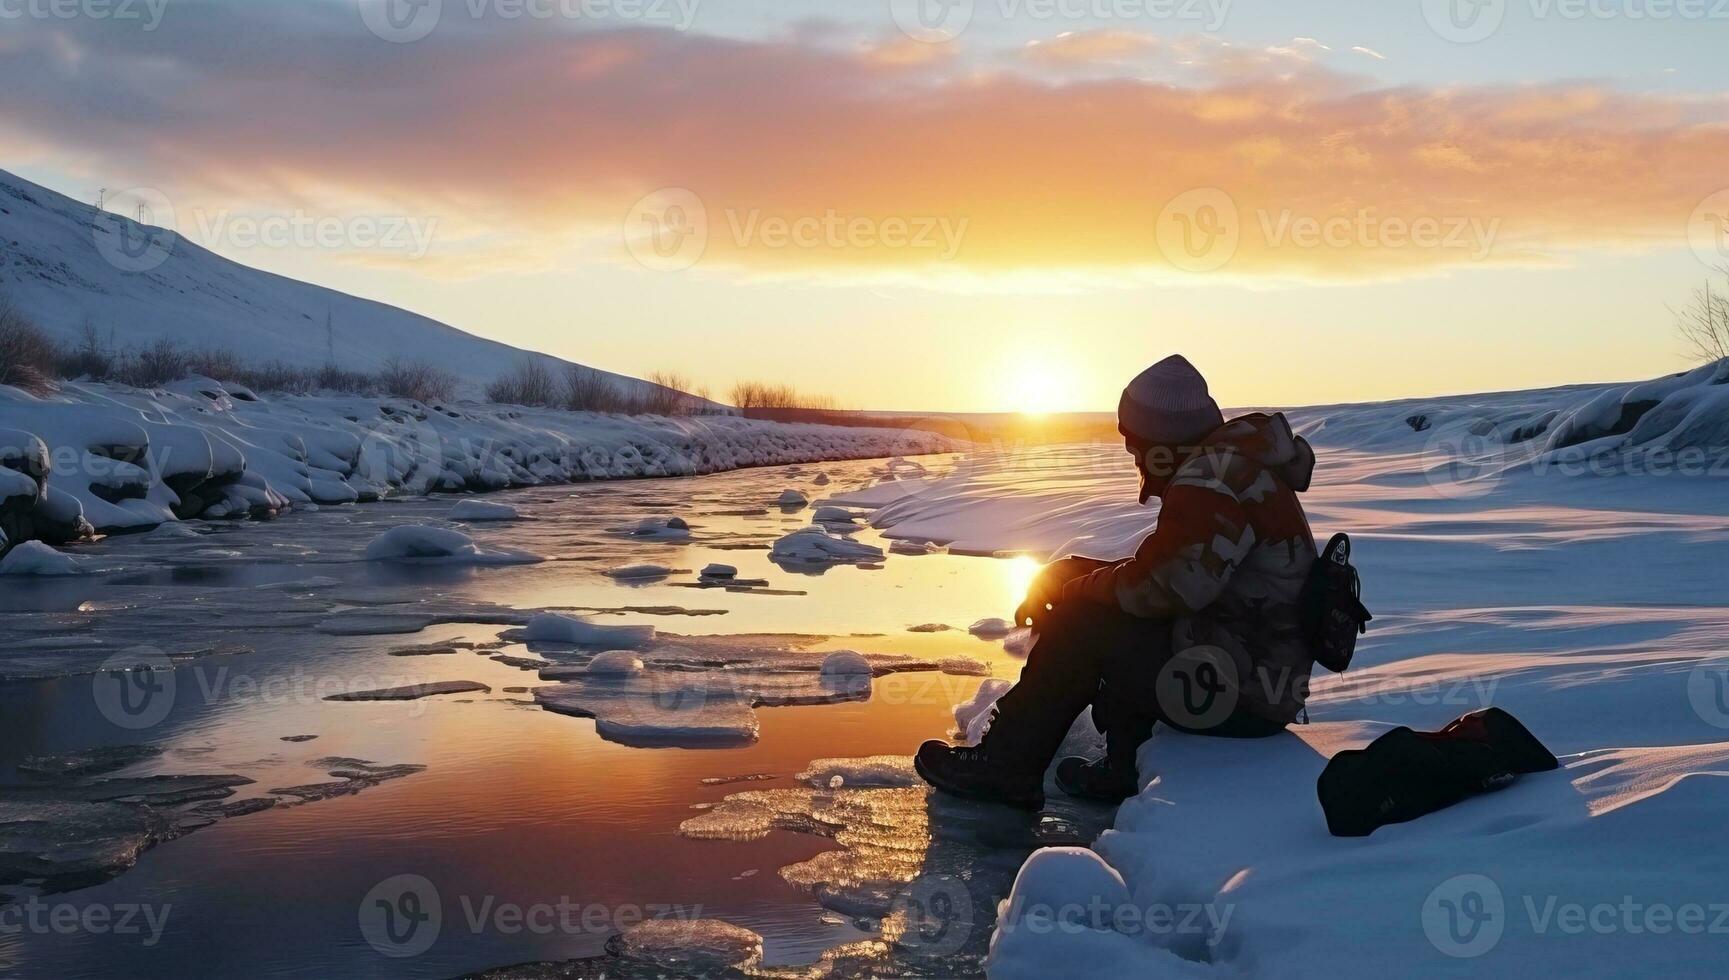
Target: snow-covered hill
65, 263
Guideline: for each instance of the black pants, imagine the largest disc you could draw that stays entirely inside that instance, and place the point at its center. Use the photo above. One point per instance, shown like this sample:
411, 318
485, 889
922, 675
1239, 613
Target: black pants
1093, 655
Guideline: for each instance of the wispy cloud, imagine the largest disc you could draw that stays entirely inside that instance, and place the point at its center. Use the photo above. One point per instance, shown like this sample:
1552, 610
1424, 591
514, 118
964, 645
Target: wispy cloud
555, 135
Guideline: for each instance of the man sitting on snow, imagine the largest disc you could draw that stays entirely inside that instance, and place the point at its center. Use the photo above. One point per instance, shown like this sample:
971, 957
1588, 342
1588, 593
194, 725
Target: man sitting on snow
1199, 629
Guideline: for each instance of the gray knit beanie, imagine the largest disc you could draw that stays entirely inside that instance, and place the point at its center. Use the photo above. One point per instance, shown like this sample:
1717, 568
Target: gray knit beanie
1168, 405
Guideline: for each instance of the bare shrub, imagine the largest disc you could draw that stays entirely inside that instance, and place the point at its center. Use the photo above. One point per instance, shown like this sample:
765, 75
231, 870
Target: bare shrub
219, 363
529, 382
669, 394
589, 390
332, 378
153, 366
757, 394
89, 359
1704, 323
27, 356
416, 379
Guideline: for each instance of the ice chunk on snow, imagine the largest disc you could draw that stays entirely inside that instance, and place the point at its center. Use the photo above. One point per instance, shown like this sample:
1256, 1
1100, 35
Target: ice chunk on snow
639, 572
483, 510
814, 544
36, 558
793, 498
991, 629
877, 771
424, 543
616, 663
973, 717
691, 947
845, 663
554, 628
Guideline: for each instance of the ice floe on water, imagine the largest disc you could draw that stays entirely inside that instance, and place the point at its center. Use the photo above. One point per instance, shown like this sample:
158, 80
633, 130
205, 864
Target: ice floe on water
413, 692
693, 694
877, 772
991, 629
837, 516
483, 510
657, 529
793, 499
618, 663
425, 544
580, 631
846, 663
640, 573
686, 947
817, 545
75, 825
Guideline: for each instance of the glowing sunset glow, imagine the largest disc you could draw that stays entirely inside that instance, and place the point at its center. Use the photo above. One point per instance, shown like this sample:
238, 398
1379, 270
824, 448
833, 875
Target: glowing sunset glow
1271, 197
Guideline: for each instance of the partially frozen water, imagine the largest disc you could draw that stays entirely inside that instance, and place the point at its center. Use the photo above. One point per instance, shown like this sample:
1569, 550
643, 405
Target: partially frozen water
294, 756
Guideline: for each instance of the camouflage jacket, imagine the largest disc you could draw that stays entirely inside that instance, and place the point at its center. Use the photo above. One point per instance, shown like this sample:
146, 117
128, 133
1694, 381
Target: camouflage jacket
1228, 560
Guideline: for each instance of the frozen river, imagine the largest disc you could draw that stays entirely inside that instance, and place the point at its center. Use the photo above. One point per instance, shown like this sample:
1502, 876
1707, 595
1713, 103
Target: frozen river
531, 837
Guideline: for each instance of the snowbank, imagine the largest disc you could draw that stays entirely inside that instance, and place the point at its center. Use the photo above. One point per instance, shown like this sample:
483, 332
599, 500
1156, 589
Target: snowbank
36, 558
98, 457
1554, 553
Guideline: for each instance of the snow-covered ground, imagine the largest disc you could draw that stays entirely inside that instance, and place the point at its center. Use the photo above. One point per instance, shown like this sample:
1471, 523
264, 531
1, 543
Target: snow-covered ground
114, 458
1559, 554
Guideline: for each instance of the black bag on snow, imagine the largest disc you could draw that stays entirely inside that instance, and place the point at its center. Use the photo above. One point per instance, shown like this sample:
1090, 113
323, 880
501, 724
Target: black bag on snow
1405, 774
1331, 607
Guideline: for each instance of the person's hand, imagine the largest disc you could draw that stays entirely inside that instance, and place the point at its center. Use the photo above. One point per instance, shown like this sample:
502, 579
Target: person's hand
1047, 589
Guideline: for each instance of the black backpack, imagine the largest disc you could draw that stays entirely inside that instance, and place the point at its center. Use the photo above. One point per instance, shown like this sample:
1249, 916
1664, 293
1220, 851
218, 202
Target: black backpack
1405, 774
1331, 607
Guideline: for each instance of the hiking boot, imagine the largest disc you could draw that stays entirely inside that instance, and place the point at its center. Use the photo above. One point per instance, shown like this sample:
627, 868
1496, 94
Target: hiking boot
981, 772
1102, 780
